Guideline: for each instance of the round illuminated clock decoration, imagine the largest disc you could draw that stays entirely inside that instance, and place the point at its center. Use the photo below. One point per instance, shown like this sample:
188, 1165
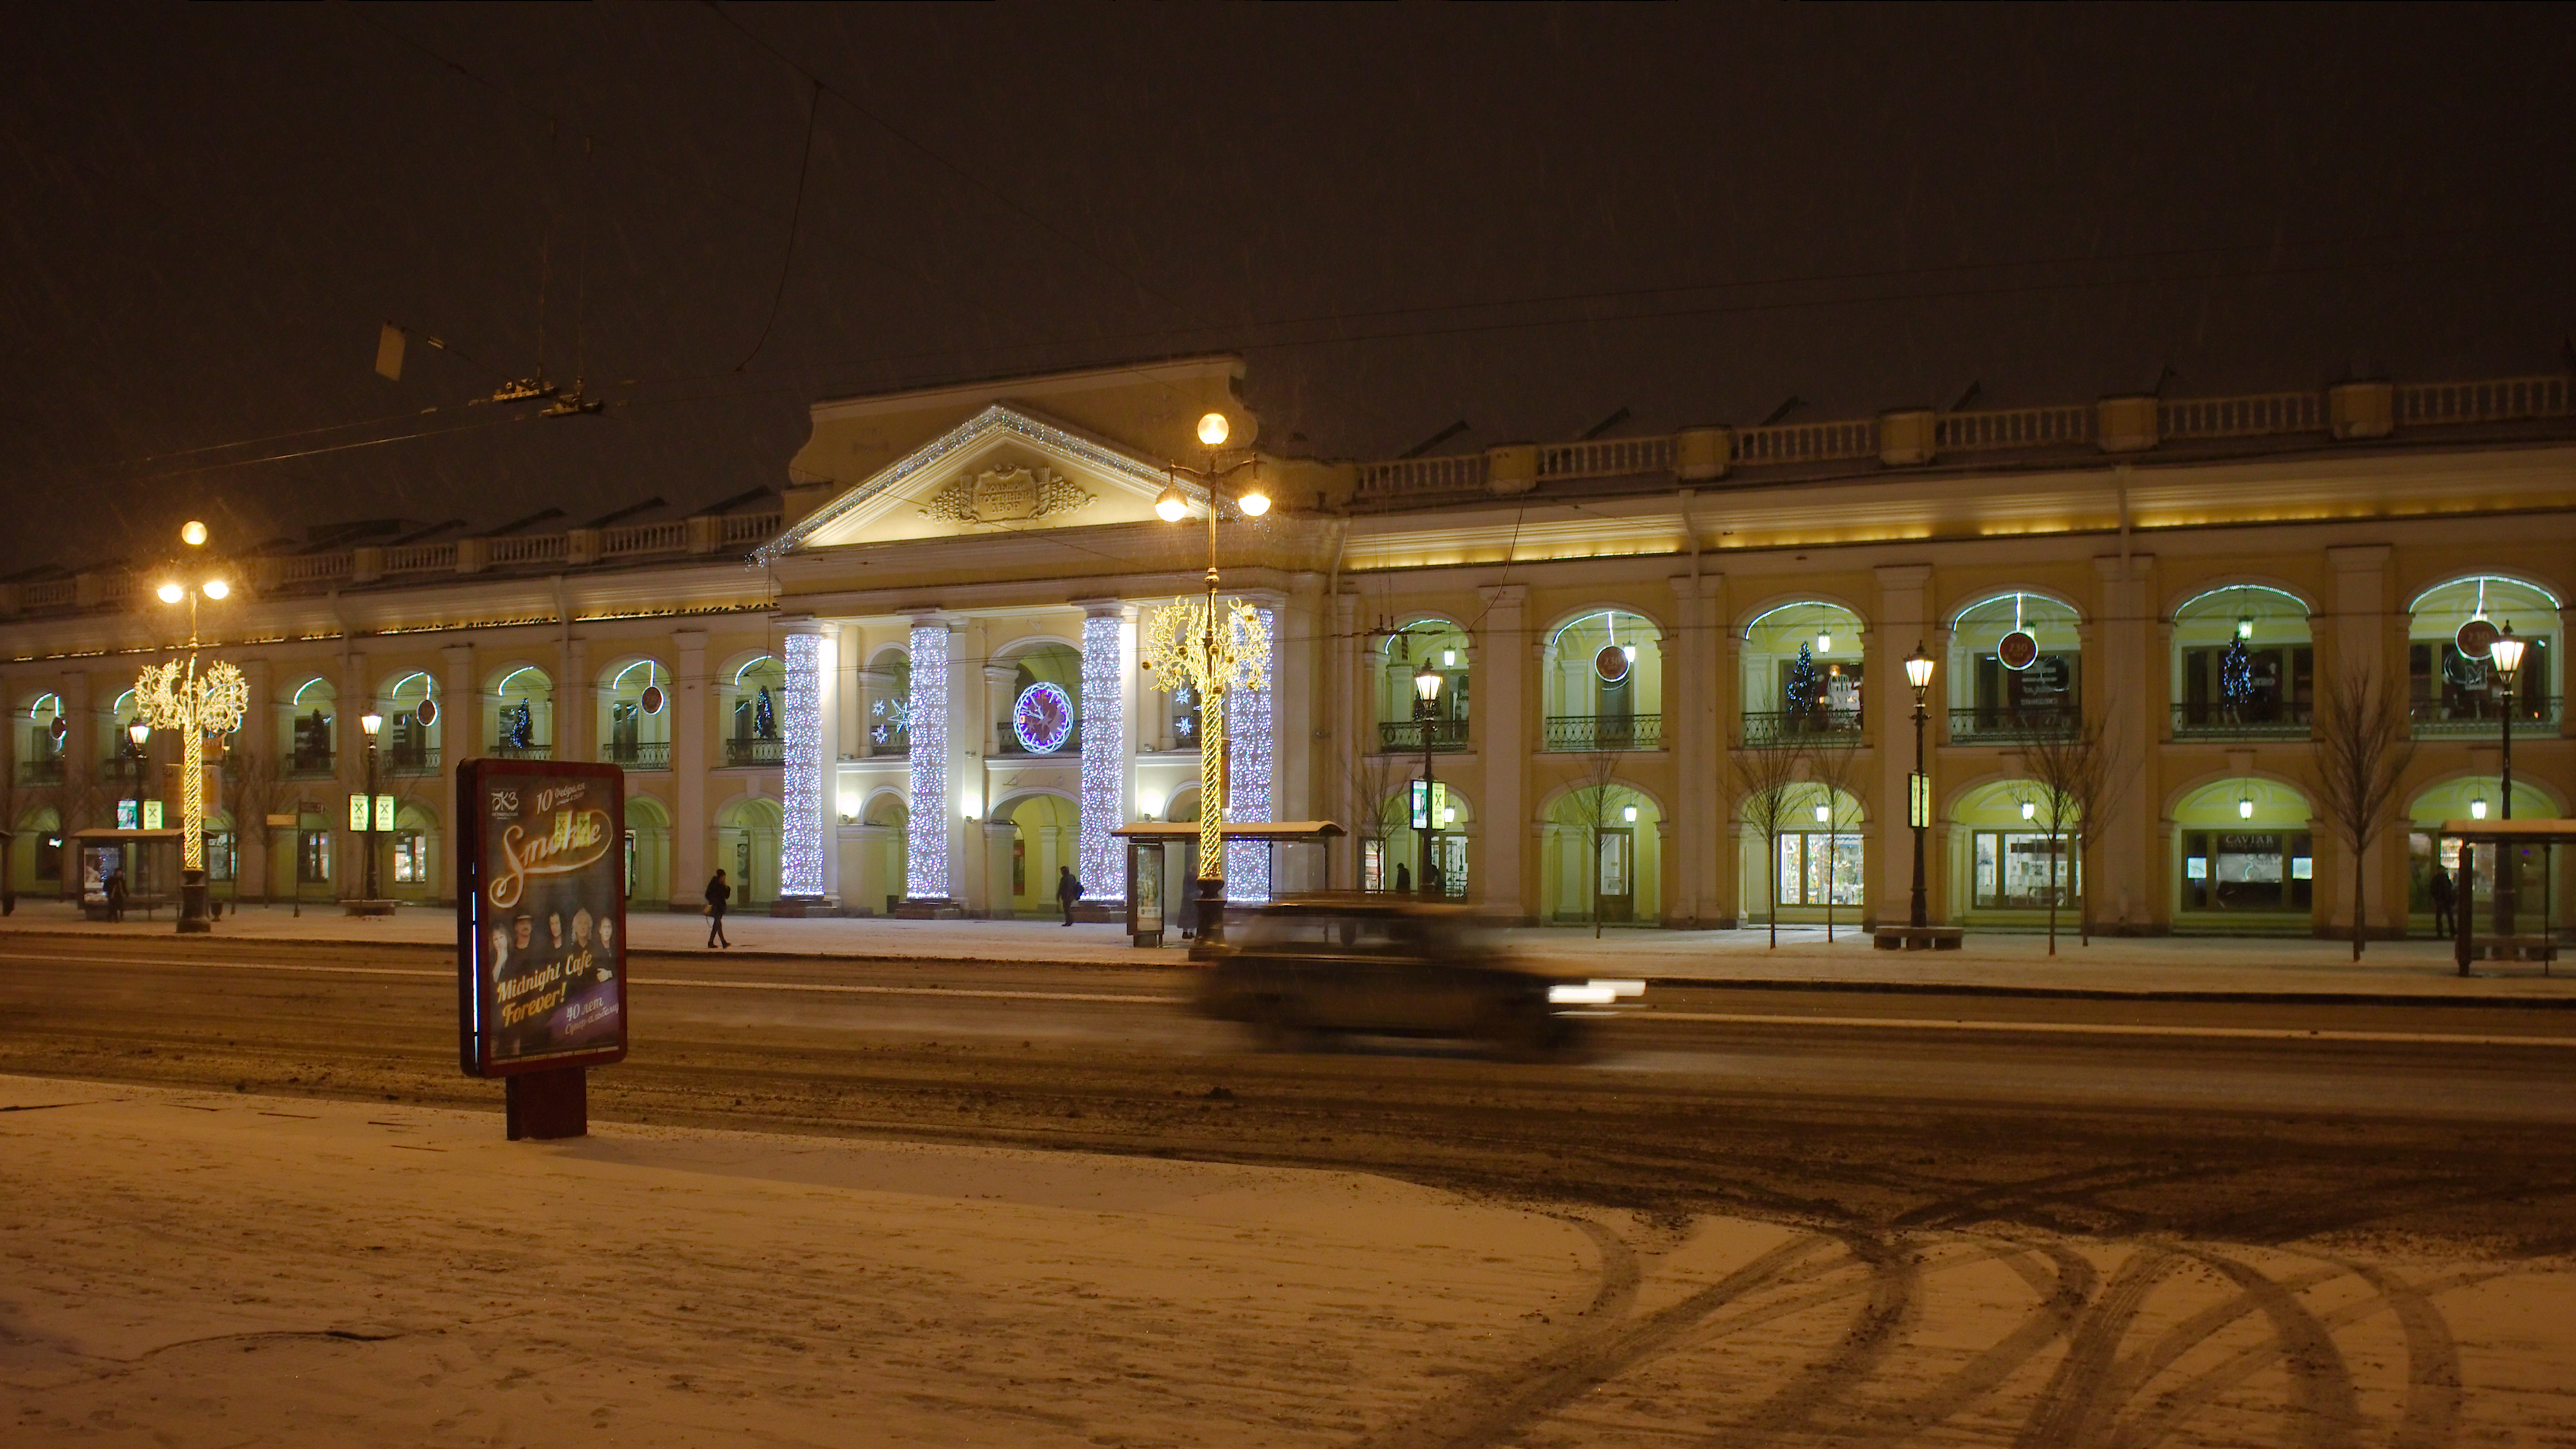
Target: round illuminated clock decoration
2476, 639
1043, 719
1611, 664
427, 714
653, 699
2018, 650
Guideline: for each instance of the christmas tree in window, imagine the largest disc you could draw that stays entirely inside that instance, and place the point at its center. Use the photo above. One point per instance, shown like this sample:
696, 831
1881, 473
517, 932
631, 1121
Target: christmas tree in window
764, 717
1799, 695
2236, 680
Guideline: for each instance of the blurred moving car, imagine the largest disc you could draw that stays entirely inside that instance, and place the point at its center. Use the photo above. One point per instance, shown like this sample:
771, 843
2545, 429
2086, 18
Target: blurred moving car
1384, 965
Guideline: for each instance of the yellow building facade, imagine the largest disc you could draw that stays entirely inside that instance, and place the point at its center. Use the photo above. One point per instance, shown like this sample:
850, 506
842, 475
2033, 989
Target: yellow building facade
919, 687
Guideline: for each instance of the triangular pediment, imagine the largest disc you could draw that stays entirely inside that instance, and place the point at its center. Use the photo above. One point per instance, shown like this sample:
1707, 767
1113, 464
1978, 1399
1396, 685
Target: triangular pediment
1004, 470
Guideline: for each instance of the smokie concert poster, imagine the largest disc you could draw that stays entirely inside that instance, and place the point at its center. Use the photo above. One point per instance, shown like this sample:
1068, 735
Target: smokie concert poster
541, 916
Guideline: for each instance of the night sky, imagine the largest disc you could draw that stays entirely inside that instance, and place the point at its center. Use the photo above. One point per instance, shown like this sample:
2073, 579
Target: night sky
1522, 218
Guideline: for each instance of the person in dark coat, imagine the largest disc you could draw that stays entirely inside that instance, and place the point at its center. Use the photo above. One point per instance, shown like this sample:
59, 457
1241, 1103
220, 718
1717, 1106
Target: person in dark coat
116, 894
717, 894
1067, 891
2439, 888
1403, 879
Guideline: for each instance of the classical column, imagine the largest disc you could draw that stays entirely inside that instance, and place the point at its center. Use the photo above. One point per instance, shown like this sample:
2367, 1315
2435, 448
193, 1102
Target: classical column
455, 696
576, 702
1297, 662
689, 706
349, 856
1252, 761
1108, 674
1690, 676
2125, 689
258, 738
1499, 714
1349, 745
2363, 643
809, 846
931, 828
850, 691
1904, 620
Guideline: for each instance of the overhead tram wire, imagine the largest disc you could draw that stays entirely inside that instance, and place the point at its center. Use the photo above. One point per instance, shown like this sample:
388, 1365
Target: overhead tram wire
795, 218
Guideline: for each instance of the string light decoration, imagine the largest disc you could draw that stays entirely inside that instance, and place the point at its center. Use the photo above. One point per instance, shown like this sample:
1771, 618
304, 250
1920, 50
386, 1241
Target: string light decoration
1104, 761
925, 834
174, 696
800, 860
1182, 651
1247, 799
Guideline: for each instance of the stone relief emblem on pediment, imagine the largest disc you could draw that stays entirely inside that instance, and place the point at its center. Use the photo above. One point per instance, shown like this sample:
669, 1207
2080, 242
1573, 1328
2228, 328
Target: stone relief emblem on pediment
1005, 495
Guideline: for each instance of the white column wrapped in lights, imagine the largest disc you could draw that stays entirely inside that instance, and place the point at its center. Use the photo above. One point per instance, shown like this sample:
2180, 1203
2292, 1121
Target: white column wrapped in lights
925, 867
1252, 758
1103, 860
804, 791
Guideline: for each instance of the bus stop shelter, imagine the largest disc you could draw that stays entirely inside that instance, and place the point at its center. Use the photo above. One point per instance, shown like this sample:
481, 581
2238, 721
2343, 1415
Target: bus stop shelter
149, 858
1156, 901
2516, 936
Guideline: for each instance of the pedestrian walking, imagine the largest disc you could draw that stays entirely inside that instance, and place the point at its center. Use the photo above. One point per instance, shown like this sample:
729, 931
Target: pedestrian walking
116, 894
2439, 888
717, 894
1403, 879
1067, 891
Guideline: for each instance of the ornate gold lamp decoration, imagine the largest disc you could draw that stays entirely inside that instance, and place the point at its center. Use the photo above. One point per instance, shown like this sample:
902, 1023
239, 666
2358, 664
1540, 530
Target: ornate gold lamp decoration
196, 703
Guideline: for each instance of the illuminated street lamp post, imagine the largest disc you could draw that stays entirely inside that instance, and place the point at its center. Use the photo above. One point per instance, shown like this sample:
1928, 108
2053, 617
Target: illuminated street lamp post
1918, 786
1426, 693
2506, 655
138, 732
1215, 649
371, 722
175, 696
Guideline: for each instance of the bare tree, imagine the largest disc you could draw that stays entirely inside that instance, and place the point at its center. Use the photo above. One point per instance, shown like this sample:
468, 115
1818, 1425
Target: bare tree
256, 793
1766, 782
1833, 763
2076, 777
1372, 778
2362, 755
1593, 807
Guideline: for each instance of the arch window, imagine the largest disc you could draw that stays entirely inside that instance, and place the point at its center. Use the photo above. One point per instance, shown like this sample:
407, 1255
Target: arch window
1604, 684
523, 715
411, 711
635, 705
2015, 670
311, 712
2015, 862
752, 696
1603, 860
2451, 684
1801, 674
1393, 857
2475, 797
1406, 723
2246, 848
126, 762
415, 841
1820, 862
2244, 665
41, 729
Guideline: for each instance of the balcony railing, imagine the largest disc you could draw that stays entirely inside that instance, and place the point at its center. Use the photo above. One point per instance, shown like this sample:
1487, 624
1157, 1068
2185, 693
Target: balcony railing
2001, 725
1404, 736
2277, 719
638, 754
309, 765
532, 750
1591, 733
41, 772
1789, 728
1006, 741
121, 770
2479, 717
755, 752
410, 760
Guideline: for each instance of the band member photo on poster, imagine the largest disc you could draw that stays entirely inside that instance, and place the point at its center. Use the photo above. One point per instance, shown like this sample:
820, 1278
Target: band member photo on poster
546, 916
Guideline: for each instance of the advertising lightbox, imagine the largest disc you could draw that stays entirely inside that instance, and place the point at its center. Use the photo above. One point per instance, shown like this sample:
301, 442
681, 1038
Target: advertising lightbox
540, 916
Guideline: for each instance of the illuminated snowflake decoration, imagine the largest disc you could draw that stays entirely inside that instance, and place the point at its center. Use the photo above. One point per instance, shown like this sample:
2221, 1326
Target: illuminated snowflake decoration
925, 839
1103, 865
1222, 662
894, 720
174, 696
800, 861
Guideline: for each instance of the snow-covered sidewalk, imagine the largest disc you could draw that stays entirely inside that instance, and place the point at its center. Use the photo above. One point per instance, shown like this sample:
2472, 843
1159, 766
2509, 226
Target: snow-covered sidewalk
2189, 964
191, 1268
